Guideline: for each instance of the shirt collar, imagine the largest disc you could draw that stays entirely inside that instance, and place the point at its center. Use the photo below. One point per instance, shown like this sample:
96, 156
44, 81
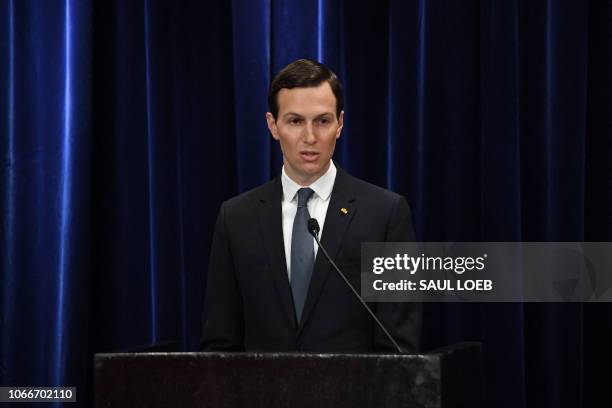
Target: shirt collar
322, 187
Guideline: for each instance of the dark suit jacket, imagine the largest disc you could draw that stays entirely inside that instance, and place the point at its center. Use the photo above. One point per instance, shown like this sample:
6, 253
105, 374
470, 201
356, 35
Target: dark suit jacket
248, 302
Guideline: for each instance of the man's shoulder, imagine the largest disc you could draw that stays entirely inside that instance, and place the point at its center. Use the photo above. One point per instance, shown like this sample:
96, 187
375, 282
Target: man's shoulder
272, 190
248, 200
366, 189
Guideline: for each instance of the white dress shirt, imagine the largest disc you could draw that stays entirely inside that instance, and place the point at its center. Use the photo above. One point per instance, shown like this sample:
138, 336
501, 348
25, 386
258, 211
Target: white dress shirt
317, 206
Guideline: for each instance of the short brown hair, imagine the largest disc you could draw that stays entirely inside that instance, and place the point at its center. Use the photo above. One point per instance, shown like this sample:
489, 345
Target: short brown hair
304, 73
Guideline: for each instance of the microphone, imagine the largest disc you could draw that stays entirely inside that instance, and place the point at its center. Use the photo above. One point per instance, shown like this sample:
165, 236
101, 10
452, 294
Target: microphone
313, 228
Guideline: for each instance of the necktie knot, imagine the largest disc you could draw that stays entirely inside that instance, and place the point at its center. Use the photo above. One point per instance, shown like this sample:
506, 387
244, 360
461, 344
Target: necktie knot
304, 194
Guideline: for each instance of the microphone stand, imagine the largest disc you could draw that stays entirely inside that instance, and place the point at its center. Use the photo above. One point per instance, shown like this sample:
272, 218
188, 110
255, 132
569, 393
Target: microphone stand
313, 228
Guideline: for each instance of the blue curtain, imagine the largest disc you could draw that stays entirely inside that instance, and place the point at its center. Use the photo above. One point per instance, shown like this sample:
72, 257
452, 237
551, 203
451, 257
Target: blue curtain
45, 190
125, 124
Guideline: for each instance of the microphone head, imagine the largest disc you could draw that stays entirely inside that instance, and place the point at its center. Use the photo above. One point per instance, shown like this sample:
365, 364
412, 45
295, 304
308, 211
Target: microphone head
313, 226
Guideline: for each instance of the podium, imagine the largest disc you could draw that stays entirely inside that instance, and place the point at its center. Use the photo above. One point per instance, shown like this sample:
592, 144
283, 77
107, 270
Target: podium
447, 377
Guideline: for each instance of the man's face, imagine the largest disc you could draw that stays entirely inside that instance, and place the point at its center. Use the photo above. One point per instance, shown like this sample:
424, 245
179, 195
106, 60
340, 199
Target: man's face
307, 128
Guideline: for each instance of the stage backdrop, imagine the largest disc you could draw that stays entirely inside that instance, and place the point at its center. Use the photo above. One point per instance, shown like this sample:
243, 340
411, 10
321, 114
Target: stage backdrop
125, 124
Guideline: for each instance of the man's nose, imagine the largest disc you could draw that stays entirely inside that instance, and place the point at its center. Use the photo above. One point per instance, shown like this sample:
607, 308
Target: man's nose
309, 135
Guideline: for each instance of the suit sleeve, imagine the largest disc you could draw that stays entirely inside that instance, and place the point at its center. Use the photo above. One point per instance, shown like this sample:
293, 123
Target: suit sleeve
222, 320
402, 319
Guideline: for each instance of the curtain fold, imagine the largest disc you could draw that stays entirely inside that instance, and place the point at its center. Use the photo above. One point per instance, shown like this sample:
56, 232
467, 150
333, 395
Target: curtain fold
124, 125
45, 189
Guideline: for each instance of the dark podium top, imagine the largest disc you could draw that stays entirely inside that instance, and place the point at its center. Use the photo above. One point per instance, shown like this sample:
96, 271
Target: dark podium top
448, 377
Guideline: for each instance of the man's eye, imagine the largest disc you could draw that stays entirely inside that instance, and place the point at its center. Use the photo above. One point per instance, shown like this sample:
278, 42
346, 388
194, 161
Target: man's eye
295, 121
324, 121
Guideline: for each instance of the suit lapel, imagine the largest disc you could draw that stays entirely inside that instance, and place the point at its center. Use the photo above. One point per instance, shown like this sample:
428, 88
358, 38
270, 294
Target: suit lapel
339, 214
270, 217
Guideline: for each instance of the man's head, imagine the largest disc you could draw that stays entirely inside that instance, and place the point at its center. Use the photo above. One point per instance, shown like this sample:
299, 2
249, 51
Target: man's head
304, 73
306, 117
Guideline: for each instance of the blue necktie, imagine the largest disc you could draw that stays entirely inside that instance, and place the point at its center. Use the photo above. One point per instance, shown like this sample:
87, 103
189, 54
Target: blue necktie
302, 252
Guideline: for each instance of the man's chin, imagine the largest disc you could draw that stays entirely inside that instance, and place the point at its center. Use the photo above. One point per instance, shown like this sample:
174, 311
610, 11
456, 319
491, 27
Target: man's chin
308, 174
313, 169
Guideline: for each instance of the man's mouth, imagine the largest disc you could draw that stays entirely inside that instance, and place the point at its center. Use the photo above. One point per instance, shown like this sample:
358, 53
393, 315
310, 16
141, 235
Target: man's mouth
309, 155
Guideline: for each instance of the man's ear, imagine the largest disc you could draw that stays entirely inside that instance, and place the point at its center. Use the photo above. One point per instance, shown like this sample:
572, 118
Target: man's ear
272, 125
340, 123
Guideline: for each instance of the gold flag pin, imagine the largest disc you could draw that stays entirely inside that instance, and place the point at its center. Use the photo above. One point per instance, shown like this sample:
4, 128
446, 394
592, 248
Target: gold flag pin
344, 211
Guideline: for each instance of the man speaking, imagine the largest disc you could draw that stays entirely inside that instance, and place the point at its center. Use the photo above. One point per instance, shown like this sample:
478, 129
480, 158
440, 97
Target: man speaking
269, 288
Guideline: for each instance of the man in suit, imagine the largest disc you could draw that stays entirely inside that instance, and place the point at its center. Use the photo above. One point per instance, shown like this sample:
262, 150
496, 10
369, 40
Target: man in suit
269, 287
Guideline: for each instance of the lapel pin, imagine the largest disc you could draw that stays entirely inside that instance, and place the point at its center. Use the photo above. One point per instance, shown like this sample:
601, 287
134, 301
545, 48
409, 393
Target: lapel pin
344, 211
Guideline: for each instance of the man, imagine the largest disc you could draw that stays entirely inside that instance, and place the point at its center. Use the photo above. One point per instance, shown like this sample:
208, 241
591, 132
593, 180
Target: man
269, 288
